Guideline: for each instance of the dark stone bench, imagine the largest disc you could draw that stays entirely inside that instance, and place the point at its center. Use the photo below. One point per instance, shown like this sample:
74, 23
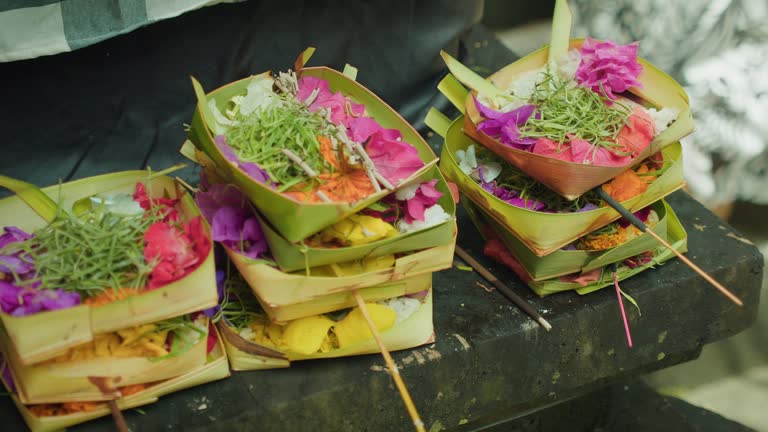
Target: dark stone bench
490, 362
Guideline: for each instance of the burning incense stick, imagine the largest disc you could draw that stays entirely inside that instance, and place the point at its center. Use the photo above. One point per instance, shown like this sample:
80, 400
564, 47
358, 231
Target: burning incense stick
621, 305
516, 299
644, 228
417, 423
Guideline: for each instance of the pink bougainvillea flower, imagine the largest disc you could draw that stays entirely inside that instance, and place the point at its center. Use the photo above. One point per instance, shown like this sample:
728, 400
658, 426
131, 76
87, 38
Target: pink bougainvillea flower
342, 109
608, 68
361, 128
426, 196
395, 160
307, 84
547, 147
504, 126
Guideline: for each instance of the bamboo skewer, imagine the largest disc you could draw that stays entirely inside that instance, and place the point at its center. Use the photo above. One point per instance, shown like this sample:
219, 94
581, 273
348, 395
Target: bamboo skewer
644, 228
503, 288
399, 383
117, 415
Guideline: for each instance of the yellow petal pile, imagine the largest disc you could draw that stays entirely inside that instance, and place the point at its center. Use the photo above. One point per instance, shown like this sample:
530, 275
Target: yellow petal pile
353, 328
356, 230
318, 333
141, 341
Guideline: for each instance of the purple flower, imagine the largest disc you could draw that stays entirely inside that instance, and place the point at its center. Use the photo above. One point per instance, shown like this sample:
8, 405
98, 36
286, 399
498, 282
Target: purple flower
221, 276
641, 214
217, 196
227, 224
251, 169
233, 223
608, 67
527, 204
225, 149
14, 262
20, 301
254, 242
505, 126
53, 299
13, 235
587, 207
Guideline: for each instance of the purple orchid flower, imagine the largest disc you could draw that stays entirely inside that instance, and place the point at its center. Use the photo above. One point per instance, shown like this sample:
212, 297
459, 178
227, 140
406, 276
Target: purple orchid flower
504, 126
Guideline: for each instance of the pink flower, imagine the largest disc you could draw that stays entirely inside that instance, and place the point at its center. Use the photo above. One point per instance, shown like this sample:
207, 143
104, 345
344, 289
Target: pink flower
425, 196
608, 68
342, 109
394, 159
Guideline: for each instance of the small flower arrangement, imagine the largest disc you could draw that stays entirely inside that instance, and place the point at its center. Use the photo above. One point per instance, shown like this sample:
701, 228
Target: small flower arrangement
577, 109
509, 184
108, 248
310, 143
234, 223
242, 313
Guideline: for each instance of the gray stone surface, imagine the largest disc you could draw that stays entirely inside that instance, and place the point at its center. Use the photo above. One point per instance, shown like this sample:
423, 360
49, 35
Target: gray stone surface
489, 358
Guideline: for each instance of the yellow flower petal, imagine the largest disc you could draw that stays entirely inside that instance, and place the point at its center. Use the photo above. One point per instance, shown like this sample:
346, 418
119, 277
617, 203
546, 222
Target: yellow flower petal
353, 328
306, 335
357, 230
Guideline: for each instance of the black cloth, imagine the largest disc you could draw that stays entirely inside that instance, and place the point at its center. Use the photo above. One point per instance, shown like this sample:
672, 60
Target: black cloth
121, 104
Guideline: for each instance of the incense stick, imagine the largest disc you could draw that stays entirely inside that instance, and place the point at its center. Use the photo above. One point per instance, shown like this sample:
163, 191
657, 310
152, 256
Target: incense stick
504, 289
412, 411
621, 306
117, 415
644, 228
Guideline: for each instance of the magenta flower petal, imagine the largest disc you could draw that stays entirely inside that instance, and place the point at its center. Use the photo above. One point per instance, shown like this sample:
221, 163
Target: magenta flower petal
361, 128
608, 67
425, 197
307, 84
395, 160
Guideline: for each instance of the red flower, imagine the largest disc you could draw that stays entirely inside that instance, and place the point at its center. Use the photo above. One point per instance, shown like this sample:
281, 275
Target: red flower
167, 205
176, 252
